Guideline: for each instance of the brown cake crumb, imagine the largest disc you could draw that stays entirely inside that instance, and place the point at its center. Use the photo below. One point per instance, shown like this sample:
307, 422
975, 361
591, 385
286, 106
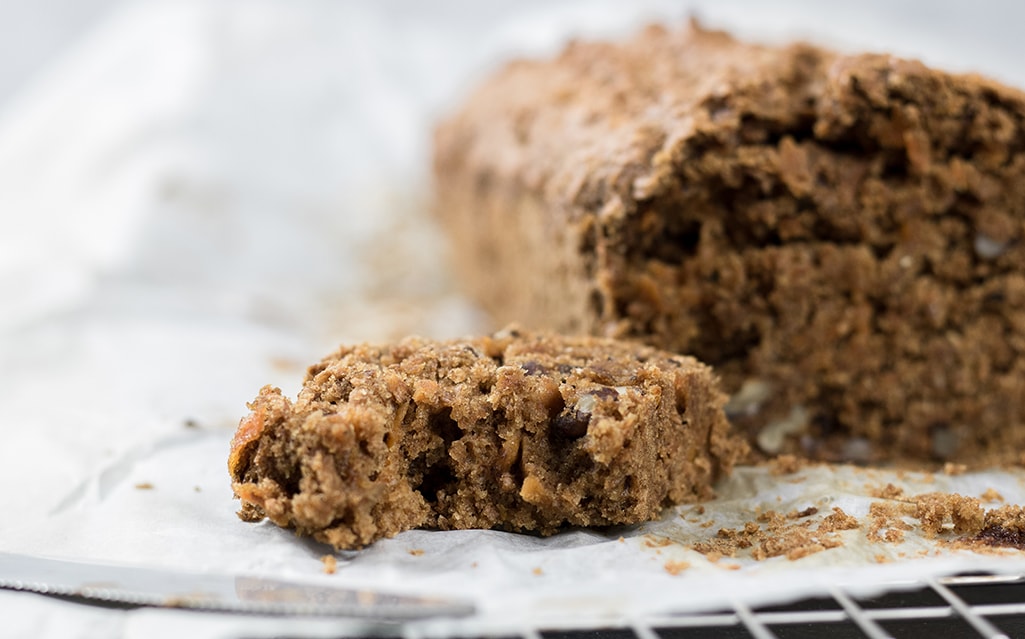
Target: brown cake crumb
330, 564
1004, 527
537, 571
933, 510
839, 520
775, 535
676, 567
416, 552
952, 469
786, 465
887, 523
889, 491
990, 496
517, 431
651, 541
799, 514
145, 485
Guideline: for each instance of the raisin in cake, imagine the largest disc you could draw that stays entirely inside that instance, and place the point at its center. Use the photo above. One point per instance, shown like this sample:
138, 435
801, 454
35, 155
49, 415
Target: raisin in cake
839, 236
518, 431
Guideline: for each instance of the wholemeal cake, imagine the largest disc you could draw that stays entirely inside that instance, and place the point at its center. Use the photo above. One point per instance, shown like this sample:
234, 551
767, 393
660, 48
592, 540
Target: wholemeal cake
517, 431
838, 236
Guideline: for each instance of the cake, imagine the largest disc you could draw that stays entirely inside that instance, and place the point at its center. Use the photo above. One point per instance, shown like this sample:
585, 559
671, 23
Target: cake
516, 431
838, 236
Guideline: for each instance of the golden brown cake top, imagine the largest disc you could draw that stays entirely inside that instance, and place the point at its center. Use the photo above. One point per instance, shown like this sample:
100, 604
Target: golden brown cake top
605, 124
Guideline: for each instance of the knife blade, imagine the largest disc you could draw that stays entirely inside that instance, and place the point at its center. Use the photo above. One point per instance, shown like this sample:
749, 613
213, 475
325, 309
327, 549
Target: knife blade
136, 585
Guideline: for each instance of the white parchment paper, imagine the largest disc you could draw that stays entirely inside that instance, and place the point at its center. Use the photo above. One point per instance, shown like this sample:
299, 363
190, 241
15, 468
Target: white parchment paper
204, 197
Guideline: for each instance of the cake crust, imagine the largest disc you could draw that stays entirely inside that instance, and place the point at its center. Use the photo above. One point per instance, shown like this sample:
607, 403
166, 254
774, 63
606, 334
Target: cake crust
840, 235
516, 431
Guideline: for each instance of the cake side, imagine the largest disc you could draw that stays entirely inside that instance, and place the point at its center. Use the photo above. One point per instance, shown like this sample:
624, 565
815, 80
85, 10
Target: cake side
839, 236
518, 431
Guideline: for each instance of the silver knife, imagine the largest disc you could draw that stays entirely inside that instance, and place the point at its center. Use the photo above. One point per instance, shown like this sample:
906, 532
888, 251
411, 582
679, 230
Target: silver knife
140, 586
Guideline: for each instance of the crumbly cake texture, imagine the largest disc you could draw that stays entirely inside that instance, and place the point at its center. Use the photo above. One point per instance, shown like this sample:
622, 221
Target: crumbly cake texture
839, 236
517, 431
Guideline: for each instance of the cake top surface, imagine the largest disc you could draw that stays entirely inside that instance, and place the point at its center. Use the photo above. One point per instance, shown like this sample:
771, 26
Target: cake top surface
604, 123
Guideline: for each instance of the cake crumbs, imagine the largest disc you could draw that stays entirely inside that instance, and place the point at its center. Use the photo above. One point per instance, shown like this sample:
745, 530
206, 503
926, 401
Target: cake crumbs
839, 520
652, 541
882, 559
416, 552
786, 465
952, 469
537, 571
773, 534
674, 568
991, 496
889, 491
330, 564
144, 485
800, 514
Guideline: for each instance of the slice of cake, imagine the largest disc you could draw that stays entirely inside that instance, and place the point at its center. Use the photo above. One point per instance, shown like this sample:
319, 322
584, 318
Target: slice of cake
840, 237
518, 431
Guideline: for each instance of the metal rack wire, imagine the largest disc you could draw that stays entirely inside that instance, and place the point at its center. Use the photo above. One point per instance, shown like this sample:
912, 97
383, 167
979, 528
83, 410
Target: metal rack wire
968, 607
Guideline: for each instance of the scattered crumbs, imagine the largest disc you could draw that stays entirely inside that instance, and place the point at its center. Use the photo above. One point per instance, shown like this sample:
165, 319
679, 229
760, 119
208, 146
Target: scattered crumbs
652, 541
416, 552
801, 514
952, 469
708, 524
731, 566
712, 555
190, 423
779, 498
537, 571
934, 510
887, 516
698, 510
928, 478
674, 568
145, 485
785, 465
990, 496
621, 540
330, 564
889, 491
473, 565
882, 559
902, 474
780, 536
197, 489
839, 520
1003, 527
902, 554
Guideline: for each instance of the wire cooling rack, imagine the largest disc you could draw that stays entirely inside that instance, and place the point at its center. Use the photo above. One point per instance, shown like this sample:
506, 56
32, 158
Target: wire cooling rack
961, 607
